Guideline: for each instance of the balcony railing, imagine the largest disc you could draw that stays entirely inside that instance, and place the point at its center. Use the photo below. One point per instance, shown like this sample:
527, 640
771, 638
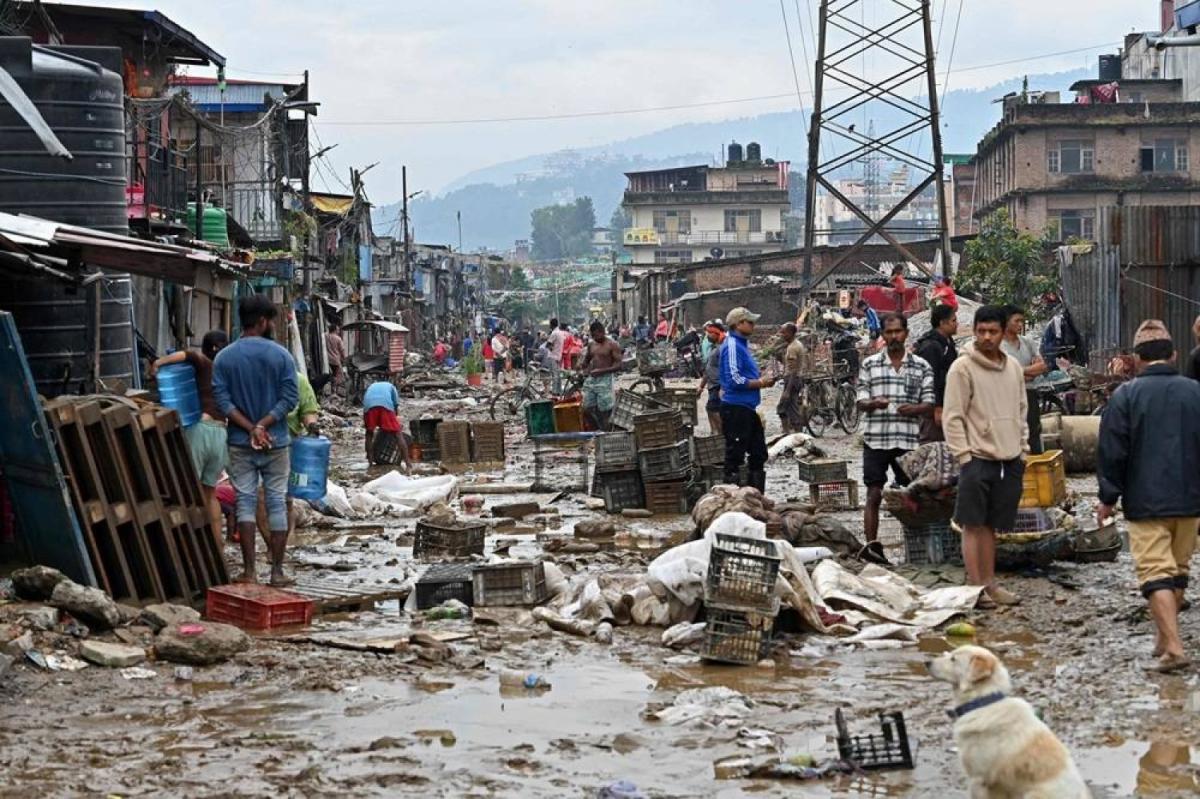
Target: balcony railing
648, 236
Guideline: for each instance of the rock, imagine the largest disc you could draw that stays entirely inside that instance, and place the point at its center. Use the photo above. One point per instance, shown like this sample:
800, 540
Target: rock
36, 583
386, 742
200, 644
40, 617
595, 528
5, 664
116, 656
515, 510
129, 613
90, 605
17, 647
165, 614
636, 513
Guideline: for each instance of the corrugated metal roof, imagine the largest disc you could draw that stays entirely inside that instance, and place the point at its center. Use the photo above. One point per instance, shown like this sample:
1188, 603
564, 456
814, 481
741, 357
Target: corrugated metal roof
236, 94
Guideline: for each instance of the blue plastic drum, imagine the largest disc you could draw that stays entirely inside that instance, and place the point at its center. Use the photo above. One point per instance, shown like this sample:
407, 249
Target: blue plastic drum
177, 389
310, 465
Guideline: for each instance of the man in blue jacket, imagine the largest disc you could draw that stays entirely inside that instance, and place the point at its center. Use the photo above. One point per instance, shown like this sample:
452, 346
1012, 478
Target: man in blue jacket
1149, 448
740, 384
254, 383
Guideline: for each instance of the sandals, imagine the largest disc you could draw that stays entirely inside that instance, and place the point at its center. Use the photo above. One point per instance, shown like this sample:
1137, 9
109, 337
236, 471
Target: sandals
1167, 664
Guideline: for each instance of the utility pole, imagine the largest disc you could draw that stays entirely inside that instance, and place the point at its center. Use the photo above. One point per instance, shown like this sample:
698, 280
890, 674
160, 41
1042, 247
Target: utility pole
404, 212
304, 191
458, 214
900, 38
199, 187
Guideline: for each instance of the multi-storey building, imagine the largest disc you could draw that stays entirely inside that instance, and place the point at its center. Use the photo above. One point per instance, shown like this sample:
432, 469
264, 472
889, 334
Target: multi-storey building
694, 213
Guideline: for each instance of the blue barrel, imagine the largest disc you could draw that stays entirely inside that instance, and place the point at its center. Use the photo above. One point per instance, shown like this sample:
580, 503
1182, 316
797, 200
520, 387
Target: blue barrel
177, 389
310, 464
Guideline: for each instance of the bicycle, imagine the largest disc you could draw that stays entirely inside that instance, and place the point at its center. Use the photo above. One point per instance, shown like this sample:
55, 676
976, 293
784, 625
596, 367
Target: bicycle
846, 400
511, 402
819, 402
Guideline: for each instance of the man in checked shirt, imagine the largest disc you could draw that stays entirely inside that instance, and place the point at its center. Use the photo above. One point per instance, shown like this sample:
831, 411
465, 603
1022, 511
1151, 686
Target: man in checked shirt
895, 389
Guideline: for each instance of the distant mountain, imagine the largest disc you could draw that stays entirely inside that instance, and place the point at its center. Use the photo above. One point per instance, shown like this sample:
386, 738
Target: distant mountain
496, 201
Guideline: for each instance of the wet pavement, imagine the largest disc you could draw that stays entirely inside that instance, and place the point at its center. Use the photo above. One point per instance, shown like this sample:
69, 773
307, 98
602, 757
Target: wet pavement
292, 718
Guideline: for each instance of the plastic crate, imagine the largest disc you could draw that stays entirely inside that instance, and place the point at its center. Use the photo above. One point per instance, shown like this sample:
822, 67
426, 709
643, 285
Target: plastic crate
656, 360
931, 545
709, 476
487, 441
834, 496
1032, 520
708, 450
1045, 481
665, 463
683, 400
513, 583
539, 417
629, 404
454, 539
616, 452
826, 470
443, 581
619, 490
667, 497
660, 428
735, 635
256, 607
568, 417
430, 453
742, 572
454, 442
424, 431
887, 750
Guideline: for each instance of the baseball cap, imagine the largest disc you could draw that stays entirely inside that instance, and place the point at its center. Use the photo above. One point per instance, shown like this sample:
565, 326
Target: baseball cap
738, 315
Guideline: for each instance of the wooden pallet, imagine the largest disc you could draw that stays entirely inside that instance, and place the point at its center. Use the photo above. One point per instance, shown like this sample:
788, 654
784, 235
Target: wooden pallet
330, 596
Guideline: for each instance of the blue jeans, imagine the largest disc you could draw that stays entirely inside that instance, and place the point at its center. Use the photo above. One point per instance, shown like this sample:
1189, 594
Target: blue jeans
246, 467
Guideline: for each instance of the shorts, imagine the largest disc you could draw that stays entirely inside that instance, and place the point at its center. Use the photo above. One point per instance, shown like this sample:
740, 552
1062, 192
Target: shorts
714, 400
379, 418
498, 365
1161, 549
876, 463
598, 393
210, 452
246, 467
989, 493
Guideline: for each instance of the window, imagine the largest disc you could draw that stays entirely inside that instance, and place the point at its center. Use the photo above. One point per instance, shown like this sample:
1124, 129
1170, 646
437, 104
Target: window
1071, 157
672, 256
1165, 155
673, 221
743, 220
1073, 225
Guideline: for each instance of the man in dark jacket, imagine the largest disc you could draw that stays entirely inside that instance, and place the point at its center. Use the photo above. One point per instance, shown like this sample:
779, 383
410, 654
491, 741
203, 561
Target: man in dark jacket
938, 349
1149, 448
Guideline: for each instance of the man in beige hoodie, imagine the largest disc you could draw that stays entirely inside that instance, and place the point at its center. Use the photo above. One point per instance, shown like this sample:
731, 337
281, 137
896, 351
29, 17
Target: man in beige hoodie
985, 423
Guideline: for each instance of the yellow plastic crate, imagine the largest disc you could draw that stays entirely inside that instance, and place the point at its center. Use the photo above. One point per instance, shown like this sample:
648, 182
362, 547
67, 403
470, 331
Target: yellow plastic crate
1045, 483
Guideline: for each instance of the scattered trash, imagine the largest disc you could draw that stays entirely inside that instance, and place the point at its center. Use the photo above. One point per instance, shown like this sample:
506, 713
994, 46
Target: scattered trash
511, 678
138, 673
887, 750
621, 789
961, 630
715, 705
683, 634
184, 673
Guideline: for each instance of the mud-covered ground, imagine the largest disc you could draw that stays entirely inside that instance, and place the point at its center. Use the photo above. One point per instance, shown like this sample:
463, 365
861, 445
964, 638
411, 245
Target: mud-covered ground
291, 718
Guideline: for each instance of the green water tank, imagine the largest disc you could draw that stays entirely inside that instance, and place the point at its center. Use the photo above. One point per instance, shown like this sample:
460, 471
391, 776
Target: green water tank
215, 226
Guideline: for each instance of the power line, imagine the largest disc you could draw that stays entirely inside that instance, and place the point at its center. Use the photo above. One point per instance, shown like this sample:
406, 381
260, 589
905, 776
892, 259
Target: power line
950, 60
795, 72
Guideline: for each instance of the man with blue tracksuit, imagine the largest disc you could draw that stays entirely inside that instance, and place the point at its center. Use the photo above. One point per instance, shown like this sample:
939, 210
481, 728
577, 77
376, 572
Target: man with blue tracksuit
740, 384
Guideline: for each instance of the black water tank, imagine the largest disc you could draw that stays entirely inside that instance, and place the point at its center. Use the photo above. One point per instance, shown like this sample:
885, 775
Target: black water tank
753, 152
1110, 67
84, 104
735, 153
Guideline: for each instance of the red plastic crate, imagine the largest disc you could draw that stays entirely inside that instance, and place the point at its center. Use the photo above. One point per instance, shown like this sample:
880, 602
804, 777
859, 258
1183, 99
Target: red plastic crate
256, 607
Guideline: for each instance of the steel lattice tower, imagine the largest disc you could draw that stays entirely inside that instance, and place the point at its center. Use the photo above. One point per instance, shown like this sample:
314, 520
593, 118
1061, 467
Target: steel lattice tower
899, 46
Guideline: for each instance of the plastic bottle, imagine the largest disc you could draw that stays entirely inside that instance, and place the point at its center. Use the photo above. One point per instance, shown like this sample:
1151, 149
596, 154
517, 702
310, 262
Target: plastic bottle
511, 678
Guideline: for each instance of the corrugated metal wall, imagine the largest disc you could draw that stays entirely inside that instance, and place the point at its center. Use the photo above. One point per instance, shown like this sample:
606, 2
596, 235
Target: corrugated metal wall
1146, 265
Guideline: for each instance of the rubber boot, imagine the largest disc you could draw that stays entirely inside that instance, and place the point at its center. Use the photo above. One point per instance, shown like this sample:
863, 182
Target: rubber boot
758, 479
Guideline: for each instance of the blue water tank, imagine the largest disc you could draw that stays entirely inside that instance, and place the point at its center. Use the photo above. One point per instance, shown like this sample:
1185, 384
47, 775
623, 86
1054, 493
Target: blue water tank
177, 389
310, 465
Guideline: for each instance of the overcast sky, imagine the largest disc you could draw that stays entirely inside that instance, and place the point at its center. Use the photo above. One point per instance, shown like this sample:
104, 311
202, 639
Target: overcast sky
414, 60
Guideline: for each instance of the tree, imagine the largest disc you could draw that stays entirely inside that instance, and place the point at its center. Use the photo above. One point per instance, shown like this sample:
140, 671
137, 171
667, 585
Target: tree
563, 231
620, 220
1006, 265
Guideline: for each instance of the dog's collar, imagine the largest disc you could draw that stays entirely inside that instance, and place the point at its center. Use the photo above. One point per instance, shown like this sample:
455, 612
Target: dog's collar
975, 704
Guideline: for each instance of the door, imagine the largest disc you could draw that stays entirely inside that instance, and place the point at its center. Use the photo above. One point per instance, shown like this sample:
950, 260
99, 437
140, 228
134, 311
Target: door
48, 527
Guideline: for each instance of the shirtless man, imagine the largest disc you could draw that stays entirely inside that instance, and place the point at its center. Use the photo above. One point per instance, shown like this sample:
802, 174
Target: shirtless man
601, 364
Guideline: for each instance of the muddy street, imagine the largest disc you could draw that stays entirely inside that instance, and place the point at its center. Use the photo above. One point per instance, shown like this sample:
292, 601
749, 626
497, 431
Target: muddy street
302, 714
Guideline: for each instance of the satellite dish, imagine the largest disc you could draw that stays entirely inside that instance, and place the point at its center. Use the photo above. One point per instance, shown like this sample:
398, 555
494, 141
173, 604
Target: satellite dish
717, 252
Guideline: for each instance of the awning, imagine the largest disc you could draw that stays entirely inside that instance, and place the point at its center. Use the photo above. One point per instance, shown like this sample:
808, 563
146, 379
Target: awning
339, 204
56, 245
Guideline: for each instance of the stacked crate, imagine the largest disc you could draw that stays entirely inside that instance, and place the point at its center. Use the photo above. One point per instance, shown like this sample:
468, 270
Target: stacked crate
487, 442
618, 481
664, 454
828, 487
708, 461
739, 599
425, 436
454, 442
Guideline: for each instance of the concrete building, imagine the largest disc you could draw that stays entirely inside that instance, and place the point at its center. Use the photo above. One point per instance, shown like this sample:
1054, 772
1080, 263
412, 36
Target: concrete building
1128, 137
693, 213
877, 192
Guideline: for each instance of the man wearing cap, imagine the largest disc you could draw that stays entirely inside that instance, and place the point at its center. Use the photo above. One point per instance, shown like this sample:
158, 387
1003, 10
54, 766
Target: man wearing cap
1148, 450
714, 334
740, 385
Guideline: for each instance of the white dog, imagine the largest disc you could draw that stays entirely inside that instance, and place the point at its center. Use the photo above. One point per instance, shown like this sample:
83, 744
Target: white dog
1006, 751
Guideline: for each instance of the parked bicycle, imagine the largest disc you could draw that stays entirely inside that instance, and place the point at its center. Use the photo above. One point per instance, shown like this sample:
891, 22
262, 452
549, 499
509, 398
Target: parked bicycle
509, 403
